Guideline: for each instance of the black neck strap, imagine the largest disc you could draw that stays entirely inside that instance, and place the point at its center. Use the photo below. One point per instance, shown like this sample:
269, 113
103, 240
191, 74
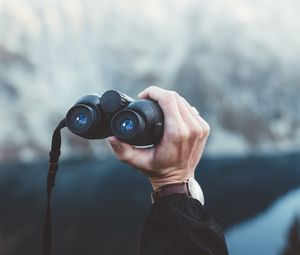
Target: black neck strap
52, 170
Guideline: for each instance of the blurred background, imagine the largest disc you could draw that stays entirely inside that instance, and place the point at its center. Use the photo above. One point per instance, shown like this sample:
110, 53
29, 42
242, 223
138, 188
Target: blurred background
236, 61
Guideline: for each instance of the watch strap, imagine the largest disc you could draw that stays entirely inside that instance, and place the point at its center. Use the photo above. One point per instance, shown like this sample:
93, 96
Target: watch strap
169, 189
190, 187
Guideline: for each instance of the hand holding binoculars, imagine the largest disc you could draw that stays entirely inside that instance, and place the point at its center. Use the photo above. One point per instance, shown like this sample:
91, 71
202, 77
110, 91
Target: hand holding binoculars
137, 122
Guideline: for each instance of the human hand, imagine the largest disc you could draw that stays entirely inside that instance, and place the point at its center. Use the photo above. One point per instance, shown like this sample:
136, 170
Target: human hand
175, 158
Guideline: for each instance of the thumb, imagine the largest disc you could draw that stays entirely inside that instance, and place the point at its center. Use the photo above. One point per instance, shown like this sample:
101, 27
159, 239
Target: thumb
138, 158
118, 147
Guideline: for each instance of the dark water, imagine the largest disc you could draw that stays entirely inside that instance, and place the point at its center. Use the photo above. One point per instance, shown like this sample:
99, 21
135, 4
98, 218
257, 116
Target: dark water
99, 206
269, 232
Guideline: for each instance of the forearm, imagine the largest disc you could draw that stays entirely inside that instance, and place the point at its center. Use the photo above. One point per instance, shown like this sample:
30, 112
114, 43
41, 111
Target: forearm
178, 224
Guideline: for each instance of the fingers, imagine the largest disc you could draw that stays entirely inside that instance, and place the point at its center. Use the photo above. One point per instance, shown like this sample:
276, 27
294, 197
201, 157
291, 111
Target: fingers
192, 109
167, 101
138, 158
193, 126
205, 126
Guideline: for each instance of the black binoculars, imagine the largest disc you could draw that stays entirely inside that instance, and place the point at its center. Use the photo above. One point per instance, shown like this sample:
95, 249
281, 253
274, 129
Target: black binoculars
137, 122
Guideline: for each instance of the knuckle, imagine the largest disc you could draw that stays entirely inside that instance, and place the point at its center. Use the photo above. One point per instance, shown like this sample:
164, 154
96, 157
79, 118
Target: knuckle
152, 87
182, 134
124, 157
170, 93
206, 128
167, 102
174, 94
178, 135
195, 132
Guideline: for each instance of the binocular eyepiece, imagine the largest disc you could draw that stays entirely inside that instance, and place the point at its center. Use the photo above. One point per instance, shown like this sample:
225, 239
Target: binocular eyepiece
137, 122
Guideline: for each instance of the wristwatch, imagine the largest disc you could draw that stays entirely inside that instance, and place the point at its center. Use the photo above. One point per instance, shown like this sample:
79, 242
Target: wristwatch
190, 187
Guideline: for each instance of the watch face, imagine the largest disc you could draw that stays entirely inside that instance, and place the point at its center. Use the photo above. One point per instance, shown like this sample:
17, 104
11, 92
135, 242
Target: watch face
196, 190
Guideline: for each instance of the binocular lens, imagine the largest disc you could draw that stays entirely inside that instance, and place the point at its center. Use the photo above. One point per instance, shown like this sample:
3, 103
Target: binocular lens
80, 120
126, 125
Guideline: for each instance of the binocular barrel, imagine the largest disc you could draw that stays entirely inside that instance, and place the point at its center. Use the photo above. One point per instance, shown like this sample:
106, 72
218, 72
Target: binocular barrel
137, 122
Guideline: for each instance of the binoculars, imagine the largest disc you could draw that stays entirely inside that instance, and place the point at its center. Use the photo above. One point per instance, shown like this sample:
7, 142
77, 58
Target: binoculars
137, 122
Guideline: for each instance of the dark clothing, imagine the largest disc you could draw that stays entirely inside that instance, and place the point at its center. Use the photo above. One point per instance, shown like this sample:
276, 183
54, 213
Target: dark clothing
180, 225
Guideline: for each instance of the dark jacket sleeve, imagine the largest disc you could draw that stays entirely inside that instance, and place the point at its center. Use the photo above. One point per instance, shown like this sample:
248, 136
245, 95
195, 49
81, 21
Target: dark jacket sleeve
178, 224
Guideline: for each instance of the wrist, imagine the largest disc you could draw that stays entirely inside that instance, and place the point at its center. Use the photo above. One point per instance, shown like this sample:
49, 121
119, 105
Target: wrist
190, 188
158, 182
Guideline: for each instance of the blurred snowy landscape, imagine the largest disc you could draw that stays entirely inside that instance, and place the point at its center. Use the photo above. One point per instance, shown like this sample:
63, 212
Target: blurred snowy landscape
236, 61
